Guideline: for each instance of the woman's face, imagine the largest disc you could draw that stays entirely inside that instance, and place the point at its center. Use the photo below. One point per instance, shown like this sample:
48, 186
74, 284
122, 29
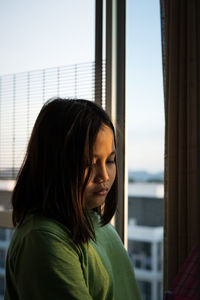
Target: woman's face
103, 168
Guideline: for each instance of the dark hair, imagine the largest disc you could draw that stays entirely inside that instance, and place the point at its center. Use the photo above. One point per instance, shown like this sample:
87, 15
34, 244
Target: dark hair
51, 180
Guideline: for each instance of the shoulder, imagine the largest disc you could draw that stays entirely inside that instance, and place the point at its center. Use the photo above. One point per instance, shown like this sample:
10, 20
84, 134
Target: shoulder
41, 235
43, 248
108, 231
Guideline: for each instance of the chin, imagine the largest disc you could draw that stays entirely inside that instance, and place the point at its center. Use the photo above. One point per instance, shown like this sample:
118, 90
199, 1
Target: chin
94, 204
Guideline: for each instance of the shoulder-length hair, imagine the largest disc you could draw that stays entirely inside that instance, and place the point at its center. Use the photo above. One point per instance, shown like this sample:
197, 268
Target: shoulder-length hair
51, 180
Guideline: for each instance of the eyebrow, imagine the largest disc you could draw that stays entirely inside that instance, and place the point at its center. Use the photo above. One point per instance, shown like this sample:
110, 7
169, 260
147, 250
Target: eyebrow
112, 153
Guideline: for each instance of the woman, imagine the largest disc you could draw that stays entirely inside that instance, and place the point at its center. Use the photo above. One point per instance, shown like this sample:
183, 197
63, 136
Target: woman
63, 246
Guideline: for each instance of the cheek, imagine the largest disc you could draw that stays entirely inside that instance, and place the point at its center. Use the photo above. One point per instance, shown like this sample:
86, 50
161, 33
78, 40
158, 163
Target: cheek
112, 174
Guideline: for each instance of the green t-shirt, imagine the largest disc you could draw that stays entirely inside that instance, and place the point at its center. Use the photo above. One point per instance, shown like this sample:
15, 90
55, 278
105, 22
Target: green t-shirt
43, 263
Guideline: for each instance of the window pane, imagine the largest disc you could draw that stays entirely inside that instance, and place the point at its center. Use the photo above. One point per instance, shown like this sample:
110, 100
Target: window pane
41, 34
5, 236
145, 119
47, 51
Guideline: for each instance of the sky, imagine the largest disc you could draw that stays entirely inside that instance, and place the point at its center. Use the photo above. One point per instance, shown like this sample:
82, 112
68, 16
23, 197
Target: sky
37, 34
145, 103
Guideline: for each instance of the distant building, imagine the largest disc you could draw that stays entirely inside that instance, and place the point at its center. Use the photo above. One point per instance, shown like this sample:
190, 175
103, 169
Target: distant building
145, 203
145, 236
6, 187
5, 236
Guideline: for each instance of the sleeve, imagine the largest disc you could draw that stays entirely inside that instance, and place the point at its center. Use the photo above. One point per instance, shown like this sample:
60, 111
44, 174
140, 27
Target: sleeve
48, 268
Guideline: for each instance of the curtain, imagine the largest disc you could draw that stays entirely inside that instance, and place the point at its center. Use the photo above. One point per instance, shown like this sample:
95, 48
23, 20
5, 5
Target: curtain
180, 26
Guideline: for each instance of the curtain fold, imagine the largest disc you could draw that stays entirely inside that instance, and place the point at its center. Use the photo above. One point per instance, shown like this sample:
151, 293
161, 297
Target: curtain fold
180, 25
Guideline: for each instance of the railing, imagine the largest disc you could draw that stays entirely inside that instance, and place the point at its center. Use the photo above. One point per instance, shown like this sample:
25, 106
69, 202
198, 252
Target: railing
21, 98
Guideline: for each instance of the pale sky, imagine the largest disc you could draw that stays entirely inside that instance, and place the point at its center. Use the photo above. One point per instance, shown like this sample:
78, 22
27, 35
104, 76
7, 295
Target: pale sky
37, 34
145, 103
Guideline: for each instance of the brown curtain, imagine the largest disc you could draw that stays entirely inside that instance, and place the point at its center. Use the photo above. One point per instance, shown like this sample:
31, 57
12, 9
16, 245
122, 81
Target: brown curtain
180, 23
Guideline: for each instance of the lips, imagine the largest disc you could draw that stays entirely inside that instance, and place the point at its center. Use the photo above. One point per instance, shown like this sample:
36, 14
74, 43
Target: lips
101, 191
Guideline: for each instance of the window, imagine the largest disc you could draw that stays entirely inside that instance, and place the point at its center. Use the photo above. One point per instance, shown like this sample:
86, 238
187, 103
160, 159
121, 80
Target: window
2, 284
47, 50
38, 63
145, 123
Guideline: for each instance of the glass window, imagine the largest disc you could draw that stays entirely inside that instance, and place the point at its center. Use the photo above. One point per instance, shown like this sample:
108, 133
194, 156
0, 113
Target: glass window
41, 34
47, 51
145, 122
2, 257
5, 236
2, 286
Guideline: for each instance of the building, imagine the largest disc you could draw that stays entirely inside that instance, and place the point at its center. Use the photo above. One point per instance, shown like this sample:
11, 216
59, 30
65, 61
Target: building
5, 236
145, 237
6, 187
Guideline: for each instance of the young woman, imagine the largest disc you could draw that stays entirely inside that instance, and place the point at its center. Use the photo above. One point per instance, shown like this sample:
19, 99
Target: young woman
63, 246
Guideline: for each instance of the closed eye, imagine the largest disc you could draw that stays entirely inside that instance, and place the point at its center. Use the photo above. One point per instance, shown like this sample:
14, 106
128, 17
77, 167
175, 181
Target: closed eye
110, 161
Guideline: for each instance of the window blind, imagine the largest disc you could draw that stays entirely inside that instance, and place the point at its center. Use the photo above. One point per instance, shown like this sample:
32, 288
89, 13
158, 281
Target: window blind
22, 96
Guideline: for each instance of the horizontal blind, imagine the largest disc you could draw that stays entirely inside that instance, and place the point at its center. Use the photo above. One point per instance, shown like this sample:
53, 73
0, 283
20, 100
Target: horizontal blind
21, 98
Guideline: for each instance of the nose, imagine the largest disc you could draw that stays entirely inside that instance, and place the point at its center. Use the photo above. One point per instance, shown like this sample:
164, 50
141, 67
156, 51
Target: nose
101, 174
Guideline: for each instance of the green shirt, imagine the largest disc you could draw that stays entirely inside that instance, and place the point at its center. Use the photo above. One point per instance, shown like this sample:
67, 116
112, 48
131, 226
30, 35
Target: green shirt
43, 263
